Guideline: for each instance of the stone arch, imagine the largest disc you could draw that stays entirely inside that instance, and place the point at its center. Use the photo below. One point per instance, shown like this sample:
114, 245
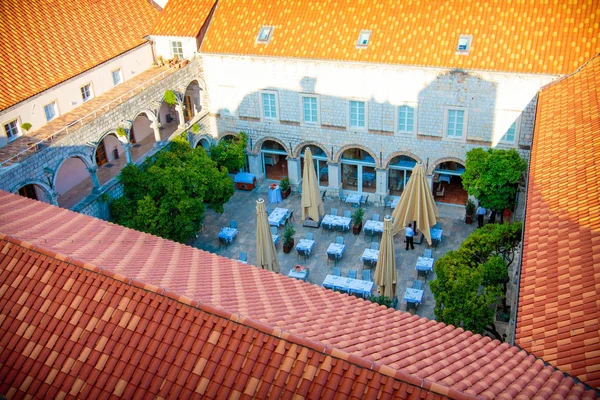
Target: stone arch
338, 155
225, 134
259, 143
197, 138
302, 145
441, 160
86, 158
149, 114
395, 154
122, 139
48, 192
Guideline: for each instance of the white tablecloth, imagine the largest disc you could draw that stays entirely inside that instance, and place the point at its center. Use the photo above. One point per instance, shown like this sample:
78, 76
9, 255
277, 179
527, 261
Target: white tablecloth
302, 275
334, 220
424, 264
413, 295
228, 234
375, 226
336, 248
348, 284
353, 198
275, 195
305, 245
277, 217
370, 254
436, 234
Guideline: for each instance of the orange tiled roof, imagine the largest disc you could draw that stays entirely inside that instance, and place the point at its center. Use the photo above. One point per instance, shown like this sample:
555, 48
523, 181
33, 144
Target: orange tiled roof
532, 36
559, 301
47, 42
70, 330
183, 18
427, 350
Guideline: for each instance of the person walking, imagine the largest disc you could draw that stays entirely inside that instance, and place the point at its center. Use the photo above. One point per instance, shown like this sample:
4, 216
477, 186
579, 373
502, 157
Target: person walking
480, 214
410, 234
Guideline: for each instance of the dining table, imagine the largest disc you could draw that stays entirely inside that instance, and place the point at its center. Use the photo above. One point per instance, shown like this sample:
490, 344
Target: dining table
349, 285
228, 234
370, 255
336, 249
336, 221
277, 216
373, 226
414, 296
305, 246
354, 198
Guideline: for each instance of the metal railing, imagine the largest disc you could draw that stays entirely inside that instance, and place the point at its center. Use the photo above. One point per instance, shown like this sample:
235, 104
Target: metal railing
80, 122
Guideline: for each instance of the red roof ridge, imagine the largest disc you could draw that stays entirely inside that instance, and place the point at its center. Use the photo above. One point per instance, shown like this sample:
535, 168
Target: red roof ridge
567, 76
276, 332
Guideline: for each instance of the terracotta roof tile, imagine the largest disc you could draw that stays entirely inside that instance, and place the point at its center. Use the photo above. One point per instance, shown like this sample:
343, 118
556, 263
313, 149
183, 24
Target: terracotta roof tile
280, 354
51, 42
183, 18
531, 36
560, 281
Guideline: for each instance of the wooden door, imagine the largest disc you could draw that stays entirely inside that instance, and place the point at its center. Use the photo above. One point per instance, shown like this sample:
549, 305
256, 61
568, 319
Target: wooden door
131, 136
101, 154
189, 111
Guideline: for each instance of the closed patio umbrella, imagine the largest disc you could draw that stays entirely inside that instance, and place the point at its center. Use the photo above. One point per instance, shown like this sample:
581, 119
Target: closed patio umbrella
385, 272
312, 205
416, 204
266, 257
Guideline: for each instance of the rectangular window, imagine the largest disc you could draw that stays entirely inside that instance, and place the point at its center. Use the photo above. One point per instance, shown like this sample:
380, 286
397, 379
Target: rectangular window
406, 119
117, 76
357, 114
264, 34
177, 49
363, 38
309, 110
12, 130
86, 92
269, 103
455, 124
50, 111
510, 134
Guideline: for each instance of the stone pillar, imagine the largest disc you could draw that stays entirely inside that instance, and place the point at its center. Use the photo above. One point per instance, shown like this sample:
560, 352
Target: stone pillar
294, 171
255, 166
95, 181
430, 181
382, 184
53, 199
127, 148
180, 108
335, 179
156, 128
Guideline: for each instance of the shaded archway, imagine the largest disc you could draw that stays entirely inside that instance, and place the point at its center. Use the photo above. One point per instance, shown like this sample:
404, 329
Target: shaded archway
168, 118
400, 169
447, 181
72, 181
274, 160
191, 100
110, 157
320, 160
141, 135
34, 191
358, 170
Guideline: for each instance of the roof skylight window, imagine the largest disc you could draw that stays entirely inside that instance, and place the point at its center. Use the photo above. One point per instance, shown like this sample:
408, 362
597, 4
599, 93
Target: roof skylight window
264, 35
363, 39
464, 44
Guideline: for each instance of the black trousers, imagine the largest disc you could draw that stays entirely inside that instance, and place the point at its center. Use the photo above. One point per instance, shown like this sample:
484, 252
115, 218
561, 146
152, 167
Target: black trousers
479, 220
410, 240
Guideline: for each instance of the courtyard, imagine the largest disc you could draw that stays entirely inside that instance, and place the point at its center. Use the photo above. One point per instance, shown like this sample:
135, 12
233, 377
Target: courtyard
242, 208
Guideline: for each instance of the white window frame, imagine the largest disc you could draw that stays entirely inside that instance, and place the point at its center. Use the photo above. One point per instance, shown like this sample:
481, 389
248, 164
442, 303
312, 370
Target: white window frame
397, 118
55, 106
311, 96
467, 41
91, 91
173, 54
112, 76
463, 136
262, 111
349, 105
517, 124
17, 127
364, 34
263, 29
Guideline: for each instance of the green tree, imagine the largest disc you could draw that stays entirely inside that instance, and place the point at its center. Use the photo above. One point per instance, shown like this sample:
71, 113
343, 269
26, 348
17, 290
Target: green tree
493, 176
470, 280
230, 153
166, 196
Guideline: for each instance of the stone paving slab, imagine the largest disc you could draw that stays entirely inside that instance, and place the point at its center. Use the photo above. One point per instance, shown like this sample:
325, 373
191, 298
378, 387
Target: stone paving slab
241, 207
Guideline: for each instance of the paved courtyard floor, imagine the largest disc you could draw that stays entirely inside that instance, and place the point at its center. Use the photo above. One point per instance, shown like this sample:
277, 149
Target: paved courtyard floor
242, 208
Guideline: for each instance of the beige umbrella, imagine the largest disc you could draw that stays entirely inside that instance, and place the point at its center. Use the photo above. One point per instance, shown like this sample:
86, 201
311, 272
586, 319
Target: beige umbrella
385, 272
416, 204
312, 206
266, 257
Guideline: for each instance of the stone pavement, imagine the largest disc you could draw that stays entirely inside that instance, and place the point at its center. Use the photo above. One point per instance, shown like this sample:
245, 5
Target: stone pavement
242, 207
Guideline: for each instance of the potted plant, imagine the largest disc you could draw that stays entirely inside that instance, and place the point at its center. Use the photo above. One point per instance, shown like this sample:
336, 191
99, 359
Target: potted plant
288, 238
284, 185
469, 211
357, 220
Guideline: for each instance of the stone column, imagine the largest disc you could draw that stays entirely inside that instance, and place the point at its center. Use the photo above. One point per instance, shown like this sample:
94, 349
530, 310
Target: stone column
127, 148
335, 179
382, 184
430, 181
53, 199
294, 171
180, 108
156, 128
255, 166
95, 181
